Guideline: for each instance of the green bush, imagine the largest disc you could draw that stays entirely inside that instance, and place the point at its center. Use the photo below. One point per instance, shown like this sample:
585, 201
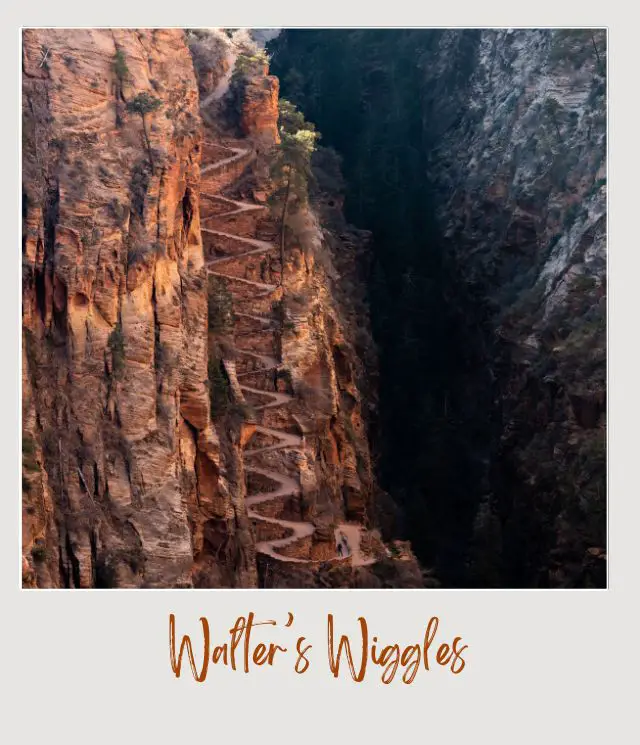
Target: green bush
116, 345
39, 552
571, 214
29, 461
143, 104
120, 65
218, 388
219, 306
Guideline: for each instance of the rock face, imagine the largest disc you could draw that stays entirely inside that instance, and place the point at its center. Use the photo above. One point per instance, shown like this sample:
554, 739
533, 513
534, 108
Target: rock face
283, 335
523, 174
477, 160
169, 440
259, 118
123, 471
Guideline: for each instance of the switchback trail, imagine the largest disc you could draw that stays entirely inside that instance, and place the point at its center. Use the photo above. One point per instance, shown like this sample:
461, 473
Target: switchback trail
278, 489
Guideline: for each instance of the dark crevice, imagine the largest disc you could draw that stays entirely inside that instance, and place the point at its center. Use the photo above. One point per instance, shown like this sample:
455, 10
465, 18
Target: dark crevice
75, 564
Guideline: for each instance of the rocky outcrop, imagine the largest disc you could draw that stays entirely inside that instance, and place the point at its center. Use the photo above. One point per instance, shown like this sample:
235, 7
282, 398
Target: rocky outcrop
124, 479
259, 117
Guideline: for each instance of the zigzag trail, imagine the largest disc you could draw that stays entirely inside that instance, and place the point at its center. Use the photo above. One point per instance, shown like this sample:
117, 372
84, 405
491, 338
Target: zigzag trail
224, 173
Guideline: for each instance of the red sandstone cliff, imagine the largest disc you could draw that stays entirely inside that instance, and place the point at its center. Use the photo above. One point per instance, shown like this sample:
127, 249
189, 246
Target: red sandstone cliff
136, 213
123, 475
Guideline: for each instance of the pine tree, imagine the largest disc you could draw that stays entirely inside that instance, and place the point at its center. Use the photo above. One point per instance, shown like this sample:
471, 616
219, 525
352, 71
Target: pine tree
291, 169
144, 104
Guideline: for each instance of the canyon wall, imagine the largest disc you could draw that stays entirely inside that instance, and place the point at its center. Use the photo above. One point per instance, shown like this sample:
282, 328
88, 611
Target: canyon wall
519, 170
477, 160
123, 479
193, 407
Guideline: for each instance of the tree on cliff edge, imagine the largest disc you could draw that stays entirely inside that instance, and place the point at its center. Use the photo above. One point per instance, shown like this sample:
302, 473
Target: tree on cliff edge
144, 104
291, 169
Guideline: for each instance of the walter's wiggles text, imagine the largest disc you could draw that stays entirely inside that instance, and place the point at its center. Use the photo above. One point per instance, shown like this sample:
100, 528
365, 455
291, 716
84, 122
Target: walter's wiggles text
244, 647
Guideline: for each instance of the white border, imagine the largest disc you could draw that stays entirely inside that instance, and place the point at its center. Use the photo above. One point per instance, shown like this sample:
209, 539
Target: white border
548, 666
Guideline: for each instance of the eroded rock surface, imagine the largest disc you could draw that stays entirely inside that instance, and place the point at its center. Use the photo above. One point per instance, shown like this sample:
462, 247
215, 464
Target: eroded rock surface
124, 479
134, 473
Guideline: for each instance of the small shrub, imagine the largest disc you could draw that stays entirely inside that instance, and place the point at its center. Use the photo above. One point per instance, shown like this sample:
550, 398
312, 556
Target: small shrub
571, 214
243, 411
218, 388
143, 104
29, 454
116, 345
120, 65
39, 552
219, 306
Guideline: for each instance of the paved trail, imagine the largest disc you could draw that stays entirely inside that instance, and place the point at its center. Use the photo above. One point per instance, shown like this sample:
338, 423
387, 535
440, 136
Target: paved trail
285, 486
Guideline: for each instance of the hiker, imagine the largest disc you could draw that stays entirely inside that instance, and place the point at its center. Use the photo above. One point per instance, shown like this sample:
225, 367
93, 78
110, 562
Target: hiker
339, 548
345, 545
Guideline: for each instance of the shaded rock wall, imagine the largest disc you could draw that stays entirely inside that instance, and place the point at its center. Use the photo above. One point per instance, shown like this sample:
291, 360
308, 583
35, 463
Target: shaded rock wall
519, 172
476, 159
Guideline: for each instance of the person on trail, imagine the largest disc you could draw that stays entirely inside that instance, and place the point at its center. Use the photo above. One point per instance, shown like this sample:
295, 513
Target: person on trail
345, 545
342, 546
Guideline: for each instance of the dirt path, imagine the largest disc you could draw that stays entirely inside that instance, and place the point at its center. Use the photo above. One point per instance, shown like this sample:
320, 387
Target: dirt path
286, 486
238, 153
240, 207
268, 289
231, 257
278, 398
353, 533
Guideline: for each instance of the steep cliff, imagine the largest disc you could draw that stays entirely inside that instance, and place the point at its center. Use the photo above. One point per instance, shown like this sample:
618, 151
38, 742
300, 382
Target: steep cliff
123, 476
522, 204
282, 348
192, 382
477, 160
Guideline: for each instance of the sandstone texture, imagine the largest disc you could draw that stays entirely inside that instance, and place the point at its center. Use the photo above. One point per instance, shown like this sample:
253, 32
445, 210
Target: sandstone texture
123, 474
192, 415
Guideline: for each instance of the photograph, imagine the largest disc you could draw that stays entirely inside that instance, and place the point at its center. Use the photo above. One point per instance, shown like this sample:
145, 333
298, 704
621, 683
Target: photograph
313, 308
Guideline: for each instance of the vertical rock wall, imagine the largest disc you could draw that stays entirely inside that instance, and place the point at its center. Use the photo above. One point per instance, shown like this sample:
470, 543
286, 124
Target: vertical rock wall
122, 469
